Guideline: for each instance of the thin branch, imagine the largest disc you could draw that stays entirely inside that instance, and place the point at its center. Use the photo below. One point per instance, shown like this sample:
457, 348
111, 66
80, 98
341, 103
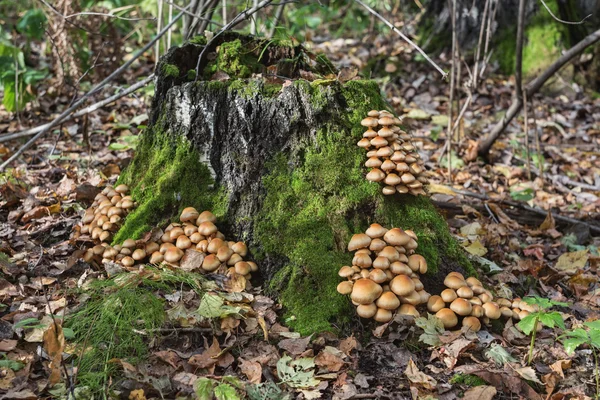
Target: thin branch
108, 15
451, 100
404, 37
531, 88
561, 20
278, 16
527, 153
479, 43
519, 51
94, 90
82, 112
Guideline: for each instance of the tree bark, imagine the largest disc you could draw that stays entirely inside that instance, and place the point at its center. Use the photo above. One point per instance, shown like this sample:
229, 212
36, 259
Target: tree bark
279, 166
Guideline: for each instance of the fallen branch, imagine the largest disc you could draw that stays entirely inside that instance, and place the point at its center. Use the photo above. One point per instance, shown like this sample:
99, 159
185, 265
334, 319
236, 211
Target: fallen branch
93, 91
404, 37
82, 112
487, 142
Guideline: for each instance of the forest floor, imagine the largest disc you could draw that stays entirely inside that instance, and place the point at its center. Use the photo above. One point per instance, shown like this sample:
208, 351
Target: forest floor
551, 254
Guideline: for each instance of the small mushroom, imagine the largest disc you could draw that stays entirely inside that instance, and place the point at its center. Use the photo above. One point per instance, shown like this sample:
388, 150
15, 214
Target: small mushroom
465, 292
377, 244
122, 189
156, 257
365, 291
129, 243
408, 309
402, 285
435, 304
381, 263
139, 254
373, 162
362, 260
242, 268
471, 323
396, 237
454, 282
392, 179
385, 132
413, 298
461, 307
366, 310
388, 190
448, 295
364, 143
211, 263
375, 175
388, 301
369, 122
224, 253
173, 254
377, 275
398, 268
346, 272
390, 253
477, 311
189, 214
344, 287
240, 248
127, 261
383, 315
359, 241
369, 133
207, 228
492, 311
448, 318
175, 233
183, 242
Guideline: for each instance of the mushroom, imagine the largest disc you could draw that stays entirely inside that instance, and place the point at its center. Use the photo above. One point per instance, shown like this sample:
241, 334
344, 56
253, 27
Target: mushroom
122, 188
448, 295
398, 268
383, 315
173, 254
129, 243
461, 307
211, 263
151, 247
127, 261
373, 162
387, 165
390, 253
388, 301
472, 324
392, 179
183, 242
189, 214
359, 241
362, 260
472, 281
377, 245
413, 298
385, 120
206, 228
215, 244
369, 133
402, 285
384, 151
139, 254
377, 275
388, 190
364, 143
242, 268
491, 310
206, 216
465, 292
373, 113
408, 309
365, 291
435, 304
189, 229
448, 318
344, 287
375, 231
224, 253
196, 237
381, 263
385, 132
454, 282
369, 122
156, 257
366, 310
506, 312
346, 272
477, 311
378, 142
396, 237
375, 175
175, 233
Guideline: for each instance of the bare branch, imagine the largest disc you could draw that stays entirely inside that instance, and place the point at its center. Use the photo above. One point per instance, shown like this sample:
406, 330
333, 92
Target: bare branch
109, 16
519, 51
82, 112
560, 20
94, 90
532, 87
404, 37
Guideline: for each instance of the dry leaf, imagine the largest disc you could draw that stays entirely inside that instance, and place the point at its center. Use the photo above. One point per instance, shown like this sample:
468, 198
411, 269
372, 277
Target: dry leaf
569, 263
417, 377
252, 370
54, 343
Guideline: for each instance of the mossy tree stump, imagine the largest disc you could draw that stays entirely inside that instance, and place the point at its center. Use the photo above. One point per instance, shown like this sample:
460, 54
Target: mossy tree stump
279, 166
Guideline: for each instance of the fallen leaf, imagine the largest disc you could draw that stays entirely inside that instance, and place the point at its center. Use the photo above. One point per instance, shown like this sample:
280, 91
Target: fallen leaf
348, 344
294, 346
327, 359
252, 370
54, 343
480, 393
528, 373
417, 377
569, 263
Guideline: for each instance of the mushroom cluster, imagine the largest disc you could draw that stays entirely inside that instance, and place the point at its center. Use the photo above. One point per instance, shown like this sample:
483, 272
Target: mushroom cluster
393, 159
384, 276
466, 299
195, 242
105, 215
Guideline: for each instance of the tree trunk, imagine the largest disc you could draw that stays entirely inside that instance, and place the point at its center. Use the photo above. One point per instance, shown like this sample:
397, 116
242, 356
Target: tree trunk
279, 166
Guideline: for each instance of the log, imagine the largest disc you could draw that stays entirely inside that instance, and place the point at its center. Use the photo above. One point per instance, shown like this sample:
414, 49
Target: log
277, 162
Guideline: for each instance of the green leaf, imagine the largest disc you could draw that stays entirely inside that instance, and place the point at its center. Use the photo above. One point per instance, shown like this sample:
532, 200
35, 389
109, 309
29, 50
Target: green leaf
593, 324
432, 327
204, 388
266, 391
528, 323
32, 24
298, 373
499, 354
226, 392
210, 306
10, 364
28, 323
572, 344
543, 303
522, 195
552, 319
68, 333
118, 146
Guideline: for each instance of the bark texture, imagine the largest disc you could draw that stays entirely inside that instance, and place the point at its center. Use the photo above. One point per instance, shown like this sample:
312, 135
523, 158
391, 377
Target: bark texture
279, 166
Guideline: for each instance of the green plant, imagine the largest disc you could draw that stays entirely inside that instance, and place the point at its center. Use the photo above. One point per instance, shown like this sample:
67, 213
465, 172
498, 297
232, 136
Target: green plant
572, 339
206, 388
529, 324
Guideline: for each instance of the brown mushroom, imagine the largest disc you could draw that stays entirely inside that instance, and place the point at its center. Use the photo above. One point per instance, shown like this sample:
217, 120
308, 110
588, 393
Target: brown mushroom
383, 315
344, 287
396, 237
375, 175
211, 263
365, 291
189, 214
435, 304
359, 241
402, 285
408, 309
366, 310
471, 323
448, 318
461, 307
388, 301
448, 295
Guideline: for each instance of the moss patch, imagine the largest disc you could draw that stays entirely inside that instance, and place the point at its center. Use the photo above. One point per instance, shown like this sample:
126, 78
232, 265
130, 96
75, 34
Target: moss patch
467, 380
311, 210
159, 179
170, 70
234, 59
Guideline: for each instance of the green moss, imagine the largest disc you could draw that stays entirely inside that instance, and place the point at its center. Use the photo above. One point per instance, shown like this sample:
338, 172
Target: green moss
310, 211
199, 40
162, 168
170, 70
233, 59
252, 88
467, 380
107, 326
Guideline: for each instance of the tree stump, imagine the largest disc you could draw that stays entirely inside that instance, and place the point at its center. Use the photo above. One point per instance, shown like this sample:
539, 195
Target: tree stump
276, 160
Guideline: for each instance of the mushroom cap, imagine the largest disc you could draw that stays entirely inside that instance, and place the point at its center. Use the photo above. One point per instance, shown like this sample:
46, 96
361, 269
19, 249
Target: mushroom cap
398, 268
408, 309
189, 214
240, 248
176, 232
377, 275
165, 246
402, 189
375, 175
454, 282
378, 142
413, 298
369, 121
366, 310
516, 313
492, 311
385, 120
475, 300
127, 261
139, 254
215, 244
346, 272
207, 228
211, 263
202, 246
196, 237
242, 268
373, 113
387, 165
448, 295
402, 285
183, 242
407, 177
390, 253
344, 287
472, 323
253, 266
189, 229
369, 133
359, 241
485, 297
129, 243
506, 312
173, 254
477, 311
363, 251
478, 289
388, 190
156, 257
384, 151
375, 231
365, 291
457, 274
425, 296
418, 284
396, 237
364, 143
392, 179
417, 263
224, 254
448, 318
122, 188
373, 162
388, 301
383, 315
472, 281
362, 260
465, 292
364, 273
377, 245
461, 307
435, 304
503, 302
381, 262
206, 216
151, 247
385, 132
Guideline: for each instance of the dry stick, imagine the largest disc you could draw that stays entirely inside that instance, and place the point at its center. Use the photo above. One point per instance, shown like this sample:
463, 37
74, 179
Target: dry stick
158, 27
488, 36
93, 91
563, 21
404, 37
236, 20
208, 16
84, 111
224, 11
253, 22
527, 154
478, 52
278, 16
531, 88
519, 52
169, 33
451, 102
189, 13
538, 148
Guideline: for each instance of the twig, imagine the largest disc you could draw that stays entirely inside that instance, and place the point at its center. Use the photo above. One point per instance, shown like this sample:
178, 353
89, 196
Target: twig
480, 42
109, 15
563, 21
84, 111
236, 20
519, 51
158, 28
278, 16
452, 83
404, 37
538, 148
532, 87
527, 154
94, 90
169, 33
224, 11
